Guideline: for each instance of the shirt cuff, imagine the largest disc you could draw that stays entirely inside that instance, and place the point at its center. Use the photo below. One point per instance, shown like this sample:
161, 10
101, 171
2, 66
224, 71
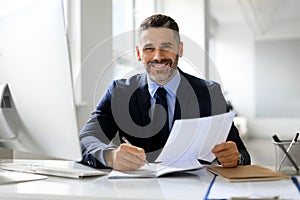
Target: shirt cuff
101, 155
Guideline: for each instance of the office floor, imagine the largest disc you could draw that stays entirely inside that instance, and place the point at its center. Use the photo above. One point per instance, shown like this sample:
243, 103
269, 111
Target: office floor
262, 151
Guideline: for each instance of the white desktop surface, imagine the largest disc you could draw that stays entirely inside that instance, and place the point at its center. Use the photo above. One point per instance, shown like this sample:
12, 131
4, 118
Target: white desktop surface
189, 185
192, 185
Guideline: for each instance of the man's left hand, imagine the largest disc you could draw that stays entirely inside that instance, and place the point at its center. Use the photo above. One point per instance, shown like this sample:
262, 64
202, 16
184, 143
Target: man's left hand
227, 154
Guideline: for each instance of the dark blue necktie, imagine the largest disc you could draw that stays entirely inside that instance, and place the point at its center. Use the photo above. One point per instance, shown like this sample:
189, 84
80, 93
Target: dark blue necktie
161, 137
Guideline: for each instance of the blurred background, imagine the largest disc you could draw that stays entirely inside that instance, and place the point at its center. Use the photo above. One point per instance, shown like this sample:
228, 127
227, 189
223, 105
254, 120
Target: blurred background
251, 47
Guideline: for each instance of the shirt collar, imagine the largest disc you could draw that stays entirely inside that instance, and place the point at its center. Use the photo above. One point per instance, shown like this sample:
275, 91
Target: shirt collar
170, 86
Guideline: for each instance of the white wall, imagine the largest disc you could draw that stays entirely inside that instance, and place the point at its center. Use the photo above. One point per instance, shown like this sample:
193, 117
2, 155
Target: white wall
96, 53
189, 14
234, 57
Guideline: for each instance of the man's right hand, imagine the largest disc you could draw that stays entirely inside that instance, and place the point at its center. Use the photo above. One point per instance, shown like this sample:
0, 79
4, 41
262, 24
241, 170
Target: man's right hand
125, 158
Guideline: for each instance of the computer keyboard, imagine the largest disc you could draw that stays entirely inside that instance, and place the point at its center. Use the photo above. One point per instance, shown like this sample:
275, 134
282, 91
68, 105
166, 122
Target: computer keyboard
50, 170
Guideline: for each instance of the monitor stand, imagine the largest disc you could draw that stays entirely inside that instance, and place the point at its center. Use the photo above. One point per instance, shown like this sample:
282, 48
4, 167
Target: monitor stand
8, 177
8, 116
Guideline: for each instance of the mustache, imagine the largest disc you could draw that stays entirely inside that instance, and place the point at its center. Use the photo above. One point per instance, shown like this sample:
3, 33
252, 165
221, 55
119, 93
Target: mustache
163, 61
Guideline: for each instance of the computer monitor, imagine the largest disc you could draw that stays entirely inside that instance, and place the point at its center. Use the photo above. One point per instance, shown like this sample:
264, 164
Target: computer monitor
37, 112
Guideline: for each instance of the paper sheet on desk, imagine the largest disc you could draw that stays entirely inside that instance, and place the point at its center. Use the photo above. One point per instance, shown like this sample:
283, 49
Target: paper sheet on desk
195, 138
284, 189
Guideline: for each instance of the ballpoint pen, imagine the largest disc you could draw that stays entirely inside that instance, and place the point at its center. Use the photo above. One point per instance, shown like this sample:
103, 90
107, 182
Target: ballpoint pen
294, 140
127, 142
276, 139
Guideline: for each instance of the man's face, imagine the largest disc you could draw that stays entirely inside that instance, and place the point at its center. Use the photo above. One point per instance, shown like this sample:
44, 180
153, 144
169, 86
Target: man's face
159, 51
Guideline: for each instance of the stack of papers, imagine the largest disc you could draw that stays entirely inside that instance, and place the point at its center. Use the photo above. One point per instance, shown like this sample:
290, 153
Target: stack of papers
195, 138
251, 182
276, 189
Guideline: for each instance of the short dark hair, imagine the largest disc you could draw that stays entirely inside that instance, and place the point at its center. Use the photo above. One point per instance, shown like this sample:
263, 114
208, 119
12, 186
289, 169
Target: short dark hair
160, 21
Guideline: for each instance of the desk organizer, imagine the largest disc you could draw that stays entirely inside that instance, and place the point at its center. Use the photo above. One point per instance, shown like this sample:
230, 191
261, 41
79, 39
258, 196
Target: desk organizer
288, 164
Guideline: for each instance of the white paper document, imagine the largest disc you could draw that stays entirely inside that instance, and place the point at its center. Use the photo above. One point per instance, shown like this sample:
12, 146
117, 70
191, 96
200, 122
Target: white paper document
195, 138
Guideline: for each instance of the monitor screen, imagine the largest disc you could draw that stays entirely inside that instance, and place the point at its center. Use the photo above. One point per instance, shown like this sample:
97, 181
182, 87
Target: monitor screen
38, 112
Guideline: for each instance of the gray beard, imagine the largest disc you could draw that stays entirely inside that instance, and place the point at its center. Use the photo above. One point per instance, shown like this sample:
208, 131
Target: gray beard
161, 78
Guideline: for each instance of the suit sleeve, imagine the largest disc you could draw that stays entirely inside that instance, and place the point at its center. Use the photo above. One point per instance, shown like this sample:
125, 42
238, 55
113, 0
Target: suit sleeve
234, 136
97, 133
219, 106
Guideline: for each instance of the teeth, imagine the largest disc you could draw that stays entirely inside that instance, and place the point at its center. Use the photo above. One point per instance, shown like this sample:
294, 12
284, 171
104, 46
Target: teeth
159, 65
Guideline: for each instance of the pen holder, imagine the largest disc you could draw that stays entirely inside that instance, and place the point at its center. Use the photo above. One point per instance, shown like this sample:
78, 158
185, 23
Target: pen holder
284, 163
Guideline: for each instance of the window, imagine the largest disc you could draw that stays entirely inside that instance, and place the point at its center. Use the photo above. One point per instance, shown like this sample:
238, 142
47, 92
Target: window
127, 16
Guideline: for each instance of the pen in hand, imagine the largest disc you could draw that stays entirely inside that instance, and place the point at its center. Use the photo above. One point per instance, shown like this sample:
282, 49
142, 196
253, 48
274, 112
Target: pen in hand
127, 142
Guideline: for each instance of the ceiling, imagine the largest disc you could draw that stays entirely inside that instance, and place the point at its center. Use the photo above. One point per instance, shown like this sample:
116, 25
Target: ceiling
259, 14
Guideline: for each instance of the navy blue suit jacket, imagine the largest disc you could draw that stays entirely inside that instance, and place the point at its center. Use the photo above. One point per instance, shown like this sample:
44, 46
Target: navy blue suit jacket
124, 109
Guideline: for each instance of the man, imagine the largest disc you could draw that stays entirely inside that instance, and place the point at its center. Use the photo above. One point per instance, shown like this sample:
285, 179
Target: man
128, 107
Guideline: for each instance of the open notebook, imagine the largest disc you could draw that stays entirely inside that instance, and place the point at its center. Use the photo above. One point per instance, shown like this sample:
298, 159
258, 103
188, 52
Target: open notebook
157, 169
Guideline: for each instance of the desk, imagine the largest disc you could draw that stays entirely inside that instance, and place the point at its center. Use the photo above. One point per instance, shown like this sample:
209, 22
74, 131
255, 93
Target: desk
192, 185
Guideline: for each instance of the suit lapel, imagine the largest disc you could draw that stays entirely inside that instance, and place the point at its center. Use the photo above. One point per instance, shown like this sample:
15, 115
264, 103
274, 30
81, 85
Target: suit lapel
177, 111
141, 103
186, 108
